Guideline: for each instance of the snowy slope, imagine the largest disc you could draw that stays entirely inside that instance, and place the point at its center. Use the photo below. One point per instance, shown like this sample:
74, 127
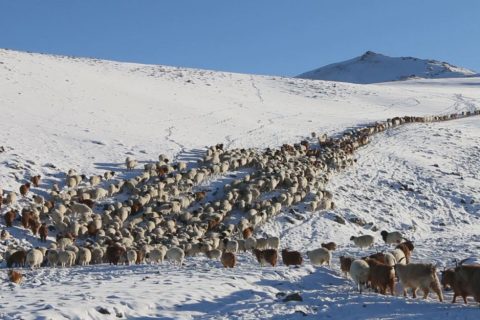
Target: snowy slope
374, 68
90, 114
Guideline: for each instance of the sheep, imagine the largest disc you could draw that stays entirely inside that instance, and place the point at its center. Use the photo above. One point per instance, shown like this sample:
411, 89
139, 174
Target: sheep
113, 253
468, 279
273, 242
15, 277
291, 258
176, 254
390, 259
34, 258
345, 264
449, 282
228, 259
35, 180
24, 189
95, 180
9, 217
4, 235
231, 245
66, 258
364, 241
40, 200
332, 246
320, 256
250, 243
360, 270
132, 257
407, 247
130, 163
247, 232
266, 256
392, 237
418, 275
84, 256
261, 243
399, 256
97, 255
214, 254
108, 175
17, 258
11, 198
52, 257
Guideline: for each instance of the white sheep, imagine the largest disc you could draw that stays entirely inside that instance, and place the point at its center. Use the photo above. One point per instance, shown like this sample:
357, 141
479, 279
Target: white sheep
80, 208
359, 271
130, 163
52, 257
390, 238
261, 244
176, 254
364, 241
418, 275
214, 254
390, 259
66, 258
132, 257
320, 256
84, 256
232, 246
34, 258
399, 256
250, 243
156, 255
273, 242
97, 255
11, 198
108, 175
94, 180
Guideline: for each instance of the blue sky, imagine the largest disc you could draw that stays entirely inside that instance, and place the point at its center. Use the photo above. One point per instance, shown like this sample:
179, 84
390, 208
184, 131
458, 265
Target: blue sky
250, 36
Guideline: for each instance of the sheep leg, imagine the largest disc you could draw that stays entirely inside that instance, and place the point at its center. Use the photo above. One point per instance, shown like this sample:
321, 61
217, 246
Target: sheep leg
465, 299
425, 293
438, 292
414, 290
405, 292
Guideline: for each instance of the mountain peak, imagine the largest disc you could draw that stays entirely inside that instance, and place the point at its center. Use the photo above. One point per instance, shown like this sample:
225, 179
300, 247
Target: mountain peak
374, 67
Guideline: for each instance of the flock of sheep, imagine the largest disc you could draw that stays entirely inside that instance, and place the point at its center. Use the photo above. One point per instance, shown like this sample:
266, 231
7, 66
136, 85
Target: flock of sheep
163, 217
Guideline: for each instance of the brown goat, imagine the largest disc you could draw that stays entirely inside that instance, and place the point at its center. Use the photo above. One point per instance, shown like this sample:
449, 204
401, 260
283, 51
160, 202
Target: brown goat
291, 258
35, 180
24, 189
449, 282
379, 256
113, 254
49, 205
381, 276
468, 280
92, 230
43, 232
15, 277
266, 256
89, 203
17, 258
407, 247
200, 195
247, 232
26, 217
345, 263
332, 246
229, 260
9, 217
34, 226
139, 256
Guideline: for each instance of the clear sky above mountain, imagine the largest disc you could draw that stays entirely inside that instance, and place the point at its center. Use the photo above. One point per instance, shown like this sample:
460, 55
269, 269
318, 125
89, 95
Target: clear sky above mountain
260, 37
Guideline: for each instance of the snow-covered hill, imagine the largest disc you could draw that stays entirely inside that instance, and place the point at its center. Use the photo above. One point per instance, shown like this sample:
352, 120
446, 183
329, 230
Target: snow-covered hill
64, 112
372, 67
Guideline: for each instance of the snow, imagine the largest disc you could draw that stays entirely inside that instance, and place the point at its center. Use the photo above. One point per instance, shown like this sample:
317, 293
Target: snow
373, 68
63, 112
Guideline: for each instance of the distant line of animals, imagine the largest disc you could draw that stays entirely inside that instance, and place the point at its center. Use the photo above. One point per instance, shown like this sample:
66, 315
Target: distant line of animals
164, 217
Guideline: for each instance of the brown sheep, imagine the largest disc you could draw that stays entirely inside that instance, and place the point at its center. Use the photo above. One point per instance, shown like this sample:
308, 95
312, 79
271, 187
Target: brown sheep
34, 226
17, 258
35, 180
9, 217
43, 232
113, 254
89, 203
332, 246
229, 260
24, 189
291, 258
381, 276
49, 205
345, 263
449, 282
407, 247
266, 256
379, 256
15, 277
92, 230
26, 217
247, 232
